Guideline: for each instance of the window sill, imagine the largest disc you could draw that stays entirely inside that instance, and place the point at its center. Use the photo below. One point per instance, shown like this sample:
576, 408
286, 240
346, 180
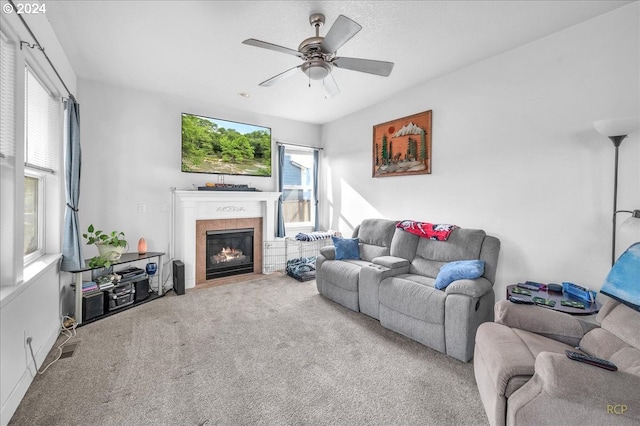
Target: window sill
31, 273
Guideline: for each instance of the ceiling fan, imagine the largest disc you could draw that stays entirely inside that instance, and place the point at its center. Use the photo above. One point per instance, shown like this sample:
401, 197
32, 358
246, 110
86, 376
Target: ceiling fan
319, 54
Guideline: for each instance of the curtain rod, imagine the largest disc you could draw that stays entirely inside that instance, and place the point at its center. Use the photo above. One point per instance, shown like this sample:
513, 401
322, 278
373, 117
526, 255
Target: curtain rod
301, 146
40, 48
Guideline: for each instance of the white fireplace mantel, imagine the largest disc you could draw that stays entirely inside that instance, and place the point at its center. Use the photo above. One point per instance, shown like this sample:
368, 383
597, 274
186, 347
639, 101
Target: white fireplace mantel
190, 206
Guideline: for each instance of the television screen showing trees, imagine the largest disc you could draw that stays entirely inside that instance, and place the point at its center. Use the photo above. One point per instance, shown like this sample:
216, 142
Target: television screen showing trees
211, 145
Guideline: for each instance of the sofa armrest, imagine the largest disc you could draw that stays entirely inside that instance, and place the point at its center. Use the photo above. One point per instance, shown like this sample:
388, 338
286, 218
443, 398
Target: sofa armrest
473, 288
370, 279
383, 267
546, 322
390, 262
329, 252
595, 387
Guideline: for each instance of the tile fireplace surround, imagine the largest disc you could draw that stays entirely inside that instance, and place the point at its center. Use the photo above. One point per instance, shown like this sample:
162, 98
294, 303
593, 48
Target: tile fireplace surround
195, 212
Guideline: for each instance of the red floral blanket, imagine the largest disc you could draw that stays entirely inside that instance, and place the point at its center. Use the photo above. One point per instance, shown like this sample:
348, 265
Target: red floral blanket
433, 231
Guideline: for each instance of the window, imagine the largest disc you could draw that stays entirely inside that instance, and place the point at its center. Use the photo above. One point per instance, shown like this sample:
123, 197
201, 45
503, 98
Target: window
297, 191
8, 197
33, 215
42, 133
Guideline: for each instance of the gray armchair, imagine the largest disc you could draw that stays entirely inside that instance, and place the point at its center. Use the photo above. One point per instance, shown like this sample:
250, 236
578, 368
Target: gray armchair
525, 378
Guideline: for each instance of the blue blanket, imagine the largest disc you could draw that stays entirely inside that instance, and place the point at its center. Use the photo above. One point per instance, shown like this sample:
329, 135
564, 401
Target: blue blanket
623, 281
313, 236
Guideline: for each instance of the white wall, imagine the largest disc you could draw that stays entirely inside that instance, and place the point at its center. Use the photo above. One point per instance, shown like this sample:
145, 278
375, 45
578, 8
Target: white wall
35, 313
514, 152
131, 146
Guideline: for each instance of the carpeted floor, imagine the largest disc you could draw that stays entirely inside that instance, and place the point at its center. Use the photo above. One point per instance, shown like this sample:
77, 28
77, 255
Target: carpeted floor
265, 351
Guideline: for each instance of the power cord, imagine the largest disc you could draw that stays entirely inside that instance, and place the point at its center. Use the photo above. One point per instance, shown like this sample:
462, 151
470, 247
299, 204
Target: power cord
69, 326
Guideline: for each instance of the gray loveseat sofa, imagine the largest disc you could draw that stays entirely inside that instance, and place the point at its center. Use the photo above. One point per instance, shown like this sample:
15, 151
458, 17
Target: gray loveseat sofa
393, 282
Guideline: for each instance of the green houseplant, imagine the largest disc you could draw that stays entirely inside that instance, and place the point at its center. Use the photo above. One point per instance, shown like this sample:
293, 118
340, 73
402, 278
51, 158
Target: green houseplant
110, 245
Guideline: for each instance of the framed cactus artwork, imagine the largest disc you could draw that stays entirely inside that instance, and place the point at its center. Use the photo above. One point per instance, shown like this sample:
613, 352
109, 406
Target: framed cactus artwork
403, 146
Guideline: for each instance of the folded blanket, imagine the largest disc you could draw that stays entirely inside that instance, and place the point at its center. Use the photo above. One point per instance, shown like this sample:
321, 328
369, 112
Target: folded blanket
314, 236
432, 231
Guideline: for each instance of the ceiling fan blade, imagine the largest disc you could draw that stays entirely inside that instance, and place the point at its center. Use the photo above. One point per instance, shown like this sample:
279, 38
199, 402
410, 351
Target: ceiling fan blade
364, 65
273, 80
271, 46
330, 86
341, 32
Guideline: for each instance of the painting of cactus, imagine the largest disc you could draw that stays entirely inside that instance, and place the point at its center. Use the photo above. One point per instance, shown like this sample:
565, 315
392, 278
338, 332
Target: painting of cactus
403, 146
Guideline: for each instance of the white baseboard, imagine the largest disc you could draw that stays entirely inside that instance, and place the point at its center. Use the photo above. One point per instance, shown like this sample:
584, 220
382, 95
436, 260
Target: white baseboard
29, 373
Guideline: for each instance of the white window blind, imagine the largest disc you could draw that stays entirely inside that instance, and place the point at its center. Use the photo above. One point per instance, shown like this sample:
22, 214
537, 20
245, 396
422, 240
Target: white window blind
42, 132
7, 99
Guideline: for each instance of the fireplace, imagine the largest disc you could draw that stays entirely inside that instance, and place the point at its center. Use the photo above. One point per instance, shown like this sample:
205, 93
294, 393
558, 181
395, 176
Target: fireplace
229, 252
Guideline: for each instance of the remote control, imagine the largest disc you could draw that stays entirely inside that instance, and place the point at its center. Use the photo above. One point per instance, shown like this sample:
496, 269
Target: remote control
520, 300
540, 286
522, 291
528, 286
592, 360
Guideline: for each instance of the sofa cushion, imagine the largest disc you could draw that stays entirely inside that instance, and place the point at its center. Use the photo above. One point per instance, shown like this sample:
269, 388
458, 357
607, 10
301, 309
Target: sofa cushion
346, 248
458, 270
343, 273
509, 354
621, 321
375, 237
404, 244
415, 296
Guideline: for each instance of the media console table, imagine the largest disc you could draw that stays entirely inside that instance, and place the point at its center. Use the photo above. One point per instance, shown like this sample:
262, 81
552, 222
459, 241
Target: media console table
125, 258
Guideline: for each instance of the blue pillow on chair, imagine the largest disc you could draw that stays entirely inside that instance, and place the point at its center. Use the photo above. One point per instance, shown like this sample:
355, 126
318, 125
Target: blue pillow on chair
458, 270
346, 248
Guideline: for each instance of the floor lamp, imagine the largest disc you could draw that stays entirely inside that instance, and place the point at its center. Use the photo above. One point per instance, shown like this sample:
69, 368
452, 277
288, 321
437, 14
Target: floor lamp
617, 129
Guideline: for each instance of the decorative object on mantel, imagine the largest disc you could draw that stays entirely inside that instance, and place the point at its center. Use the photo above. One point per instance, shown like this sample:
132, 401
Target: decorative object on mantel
110, 246
225, 187
142, 246
403, 146
617, 129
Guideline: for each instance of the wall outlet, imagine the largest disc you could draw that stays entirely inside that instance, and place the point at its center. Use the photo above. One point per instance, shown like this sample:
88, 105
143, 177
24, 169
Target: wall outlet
164, 207
28, 337
142, 208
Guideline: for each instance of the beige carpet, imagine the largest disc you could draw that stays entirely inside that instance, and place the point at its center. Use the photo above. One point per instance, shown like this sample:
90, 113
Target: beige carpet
266, 351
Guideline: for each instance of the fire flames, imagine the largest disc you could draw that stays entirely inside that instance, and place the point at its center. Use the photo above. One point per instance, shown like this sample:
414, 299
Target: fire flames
227, 254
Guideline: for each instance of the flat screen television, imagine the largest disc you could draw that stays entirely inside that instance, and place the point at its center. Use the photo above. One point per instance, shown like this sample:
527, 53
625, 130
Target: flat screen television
211, 145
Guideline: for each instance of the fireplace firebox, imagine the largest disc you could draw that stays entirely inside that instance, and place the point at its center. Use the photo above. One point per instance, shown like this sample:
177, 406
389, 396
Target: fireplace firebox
229, 252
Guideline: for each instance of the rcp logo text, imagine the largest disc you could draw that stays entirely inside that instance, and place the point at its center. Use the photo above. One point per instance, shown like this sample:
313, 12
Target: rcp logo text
616, 409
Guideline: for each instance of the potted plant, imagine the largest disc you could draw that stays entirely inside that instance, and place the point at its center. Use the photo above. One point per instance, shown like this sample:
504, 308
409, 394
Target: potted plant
110, 246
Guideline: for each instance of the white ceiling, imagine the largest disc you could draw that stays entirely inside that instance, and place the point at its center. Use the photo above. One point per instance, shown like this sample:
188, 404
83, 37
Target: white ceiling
193, 48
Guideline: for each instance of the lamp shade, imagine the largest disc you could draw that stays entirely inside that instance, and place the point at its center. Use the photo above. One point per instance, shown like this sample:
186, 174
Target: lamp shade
616, 126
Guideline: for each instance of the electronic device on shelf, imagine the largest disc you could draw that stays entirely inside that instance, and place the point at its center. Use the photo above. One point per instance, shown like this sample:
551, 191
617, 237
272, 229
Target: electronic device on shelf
130, 274
226, 187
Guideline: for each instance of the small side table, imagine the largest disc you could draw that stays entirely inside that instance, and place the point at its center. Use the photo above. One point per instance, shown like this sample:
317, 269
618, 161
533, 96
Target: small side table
589, 308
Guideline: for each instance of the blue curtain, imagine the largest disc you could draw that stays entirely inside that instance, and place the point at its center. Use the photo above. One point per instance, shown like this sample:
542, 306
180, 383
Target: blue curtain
315, 188
280, 232
71, 245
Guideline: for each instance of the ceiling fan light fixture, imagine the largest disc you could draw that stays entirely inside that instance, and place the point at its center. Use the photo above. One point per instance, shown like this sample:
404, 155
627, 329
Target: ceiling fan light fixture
316, 69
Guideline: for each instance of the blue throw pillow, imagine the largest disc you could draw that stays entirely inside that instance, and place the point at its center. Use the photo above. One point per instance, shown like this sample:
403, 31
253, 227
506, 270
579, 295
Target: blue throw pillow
346, 248
459, 270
